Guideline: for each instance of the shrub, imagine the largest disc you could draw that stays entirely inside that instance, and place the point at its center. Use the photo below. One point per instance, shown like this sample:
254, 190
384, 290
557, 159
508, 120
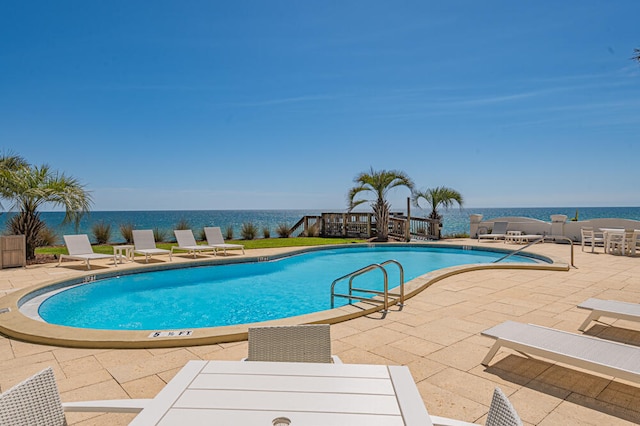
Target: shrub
228, 233
311, 231
126, 230
248, 231
101, 232
160, 235
47, 237
202, 236
183, 224
283, 230
266, 232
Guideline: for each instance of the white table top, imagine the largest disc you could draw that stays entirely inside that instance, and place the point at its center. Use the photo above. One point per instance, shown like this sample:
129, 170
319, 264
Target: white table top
255, 393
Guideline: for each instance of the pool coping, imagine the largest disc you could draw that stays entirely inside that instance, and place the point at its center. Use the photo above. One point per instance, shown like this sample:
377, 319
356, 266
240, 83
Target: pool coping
14, 323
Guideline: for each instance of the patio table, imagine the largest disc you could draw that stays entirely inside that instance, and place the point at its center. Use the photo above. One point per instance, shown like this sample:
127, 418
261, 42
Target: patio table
257, 393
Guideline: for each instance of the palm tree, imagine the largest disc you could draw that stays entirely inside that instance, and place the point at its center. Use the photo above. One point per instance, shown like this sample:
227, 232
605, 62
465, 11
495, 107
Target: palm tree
379, 183
9, 162
636, 55
30, 187
436, 197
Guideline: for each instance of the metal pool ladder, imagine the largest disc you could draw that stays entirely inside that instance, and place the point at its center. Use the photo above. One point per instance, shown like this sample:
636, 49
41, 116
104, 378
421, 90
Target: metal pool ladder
385, 293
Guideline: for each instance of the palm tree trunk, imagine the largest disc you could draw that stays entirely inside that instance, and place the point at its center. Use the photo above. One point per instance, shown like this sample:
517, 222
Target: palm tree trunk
381, 213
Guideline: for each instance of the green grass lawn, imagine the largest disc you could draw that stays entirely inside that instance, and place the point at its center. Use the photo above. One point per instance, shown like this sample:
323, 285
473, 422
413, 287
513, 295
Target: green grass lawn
248, 244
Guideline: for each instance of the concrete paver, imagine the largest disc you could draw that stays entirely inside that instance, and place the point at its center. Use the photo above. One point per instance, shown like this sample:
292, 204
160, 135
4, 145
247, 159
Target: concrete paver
437, 334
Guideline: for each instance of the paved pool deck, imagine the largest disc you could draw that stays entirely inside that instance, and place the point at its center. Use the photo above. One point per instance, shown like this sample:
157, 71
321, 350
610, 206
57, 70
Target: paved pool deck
436, 334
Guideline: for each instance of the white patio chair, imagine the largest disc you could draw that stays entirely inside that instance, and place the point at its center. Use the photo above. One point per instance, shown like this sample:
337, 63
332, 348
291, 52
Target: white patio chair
187, 242
36, 401
590, 238
145, 243
79, 248
291, 343
619, 242
215, 239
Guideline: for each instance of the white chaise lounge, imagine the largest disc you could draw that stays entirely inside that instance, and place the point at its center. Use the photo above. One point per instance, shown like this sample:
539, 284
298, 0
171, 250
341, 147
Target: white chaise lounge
215, 239
187, 242
36, 401
609, 308
590, 353
79, 248
498, 232
145, 243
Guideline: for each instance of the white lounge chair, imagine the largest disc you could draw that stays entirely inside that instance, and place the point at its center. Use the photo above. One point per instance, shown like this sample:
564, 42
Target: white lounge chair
215, 239
145, 243
36, 401
291, 343
609, 308
187, 242
79, 248
588, 237
586, 352
498, 232
501, 413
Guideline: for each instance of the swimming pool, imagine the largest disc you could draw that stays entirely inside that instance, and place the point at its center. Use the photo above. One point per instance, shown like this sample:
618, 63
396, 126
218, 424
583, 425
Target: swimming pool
222, 295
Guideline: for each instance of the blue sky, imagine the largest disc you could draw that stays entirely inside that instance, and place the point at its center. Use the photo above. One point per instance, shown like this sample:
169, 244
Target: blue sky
280, 104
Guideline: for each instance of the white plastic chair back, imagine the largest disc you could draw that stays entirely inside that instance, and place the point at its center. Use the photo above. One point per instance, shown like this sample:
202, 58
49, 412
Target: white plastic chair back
144, 239
185, 238
78, 244
214, 235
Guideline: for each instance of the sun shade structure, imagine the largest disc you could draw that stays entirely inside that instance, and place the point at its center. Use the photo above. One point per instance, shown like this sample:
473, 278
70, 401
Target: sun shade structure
215, 239
145, 243
79, 248
589, 353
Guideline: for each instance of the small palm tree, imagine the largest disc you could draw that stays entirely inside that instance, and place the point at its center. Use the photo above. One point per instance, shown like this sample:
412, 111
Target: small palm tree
636, 55
379, 183
438, 197
30, 187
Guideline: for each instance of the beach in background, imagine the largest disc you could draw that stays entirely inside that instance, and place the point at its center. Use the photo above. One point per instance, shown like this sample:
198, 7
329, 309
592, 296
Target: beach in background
455, 221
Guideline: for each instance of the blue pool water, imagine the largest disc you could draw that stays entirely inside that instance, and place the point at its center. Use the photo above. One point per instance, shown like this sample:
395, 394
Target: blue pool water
210, 296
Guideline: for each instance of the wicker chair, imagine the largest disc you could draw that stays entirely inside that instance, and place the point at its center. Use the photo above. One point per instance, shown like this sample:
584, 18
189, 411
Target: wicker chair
291, 343
36, 402
501, 413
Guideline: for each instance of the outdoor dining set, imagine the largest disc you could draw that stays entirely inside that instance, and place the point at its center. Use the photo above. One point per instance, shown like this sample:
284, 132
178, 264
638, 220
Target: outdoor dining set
614, 240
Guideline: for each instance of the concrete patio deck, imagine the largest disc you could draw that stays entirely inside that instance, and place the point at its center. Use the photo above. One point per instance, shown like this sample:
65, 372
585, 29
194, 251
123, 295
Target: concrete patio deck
436, 334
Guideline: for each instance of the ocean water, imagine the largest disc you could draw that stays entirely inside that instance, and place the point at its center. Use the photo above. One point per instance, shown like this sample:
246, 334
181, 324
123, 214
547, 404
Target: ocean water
455, 221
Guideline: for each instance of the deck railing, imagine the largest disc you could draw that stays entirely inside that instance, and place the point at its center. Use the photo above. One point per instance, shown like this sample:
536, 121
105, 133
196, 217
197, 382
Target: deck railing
363, 225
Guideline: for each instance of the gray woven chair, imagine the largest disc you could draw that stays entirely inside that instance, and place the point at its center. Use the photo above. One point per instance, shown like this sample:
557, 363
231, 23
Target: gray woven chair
501, 413
291, 343
36, 402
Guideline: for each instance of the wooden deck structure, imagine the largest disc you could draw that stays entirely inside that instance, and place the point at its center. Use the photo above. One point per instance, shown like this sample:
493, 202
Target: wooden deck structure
363, 225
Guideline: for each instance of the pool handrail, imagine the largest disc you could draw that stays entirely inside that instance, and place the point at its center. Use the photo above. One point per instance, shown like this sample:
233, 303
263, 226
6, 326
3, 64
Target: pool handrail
385, 293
